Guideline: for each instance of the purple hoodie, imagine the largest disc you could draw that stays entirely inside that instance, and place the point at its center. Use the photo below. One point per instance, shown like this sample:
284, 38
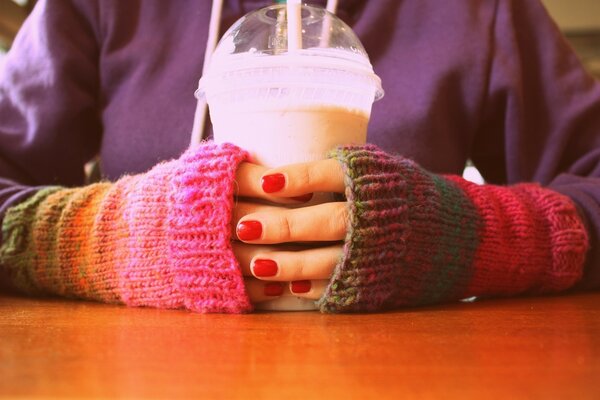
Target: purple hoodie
492, 81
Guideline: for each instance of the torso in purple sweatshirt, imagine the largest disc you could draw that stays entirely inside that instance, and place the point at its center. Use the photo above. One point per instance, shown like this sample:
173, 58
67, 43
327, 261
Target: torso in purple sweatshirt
492, 81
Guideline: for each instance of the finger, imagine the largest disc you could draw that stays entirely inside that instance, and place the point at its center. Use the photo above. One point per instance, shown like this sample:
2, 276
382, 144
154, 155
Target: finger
244, 253
248, 177
309, 289
259, 291
299, 179
323, 222
244, 208
284, 266
248, 180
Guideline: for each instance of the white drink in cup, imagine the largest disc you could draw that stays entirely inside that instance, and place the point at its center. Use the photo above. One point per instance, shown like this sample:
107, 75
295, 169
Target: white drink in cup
287, 106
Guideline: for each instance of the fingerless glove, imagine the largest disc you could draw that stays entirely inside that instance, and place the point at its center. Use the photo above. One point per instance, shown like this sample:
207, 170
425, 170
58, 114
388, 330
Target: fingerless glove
418, 238
159, 239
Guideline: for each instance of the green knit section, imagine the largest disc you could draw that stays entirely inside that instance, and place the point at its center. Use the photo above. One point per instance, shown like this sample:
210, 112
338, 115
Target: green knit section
76, 229
46, 235
17, 252
412, 235
454, 250
355, 284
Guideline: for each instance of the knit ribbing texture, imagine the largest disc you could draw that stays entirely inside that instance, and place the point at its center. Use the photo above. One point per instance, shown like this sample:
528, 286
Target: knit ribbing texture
419, 238
159, 239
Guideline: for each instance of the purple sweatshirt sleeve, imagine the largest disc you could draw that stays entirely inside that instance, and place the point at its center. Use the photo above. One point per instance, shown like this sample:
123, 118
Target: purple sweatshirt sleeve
49, 125
539, 122
542, 116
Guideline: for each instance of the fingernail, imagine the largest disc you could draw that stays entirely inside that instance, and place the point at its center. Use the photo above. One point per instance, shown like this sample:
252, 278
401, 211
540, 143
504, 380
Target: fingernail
300, 286
263, 268
272, 183
273, 289
249, 230
304, 198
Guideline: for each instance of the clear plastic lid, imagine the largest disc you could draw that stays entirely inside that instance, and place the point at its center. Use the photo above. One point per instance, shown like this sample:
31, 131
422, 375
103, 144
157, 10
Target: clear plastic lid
259, 41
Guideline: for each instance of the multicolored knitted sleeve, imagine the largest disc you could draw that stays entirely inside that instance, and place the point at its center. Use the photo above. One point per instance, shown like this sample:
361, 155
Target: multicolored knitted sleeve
419, 238
159, 239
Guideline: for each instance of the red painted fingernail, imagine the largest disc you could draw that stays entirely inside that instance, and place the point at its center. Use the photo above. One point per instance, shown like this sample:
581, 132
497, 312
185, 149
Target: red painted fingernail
300, 286
263, 268
304, 198
249, 230
272, 183
273, 289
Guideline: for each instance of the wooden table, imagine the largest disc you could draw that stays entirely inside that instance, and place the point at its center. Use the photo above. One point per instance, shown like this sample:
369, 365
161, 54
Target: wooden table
517, 348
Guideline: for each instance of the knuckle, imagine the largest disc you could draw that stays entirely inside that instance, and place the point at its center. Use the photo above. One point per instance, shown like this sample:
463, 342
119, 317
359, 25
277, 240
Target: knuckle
340, 222
286, 228
242, 180
305, 177
297, 271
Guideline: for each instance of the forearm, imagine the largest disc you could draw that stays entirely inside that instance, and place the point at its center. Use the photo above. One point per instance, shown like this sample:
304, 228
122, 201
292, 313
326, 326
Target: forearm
585, 192
421, 238
157, 239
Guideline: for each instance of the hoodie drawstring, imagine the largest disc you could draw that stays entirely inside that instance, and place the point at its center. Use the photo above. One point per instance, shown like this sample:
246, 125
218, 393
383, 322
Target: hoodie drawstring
211, 43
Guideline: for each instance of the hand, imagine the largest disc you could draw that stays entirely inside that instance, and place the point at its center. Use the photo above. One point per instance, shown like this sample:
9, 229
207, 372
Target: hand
268, 252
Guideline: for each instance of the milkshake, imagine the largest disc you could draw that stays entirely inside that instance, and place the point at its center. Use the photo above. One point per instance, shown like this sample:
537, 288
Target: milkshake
290, 105
302, 134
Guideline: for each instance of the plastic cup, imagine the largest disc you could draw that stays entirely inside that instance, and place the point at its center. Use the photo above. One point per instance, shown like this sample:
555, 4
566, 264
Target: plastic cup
293, 106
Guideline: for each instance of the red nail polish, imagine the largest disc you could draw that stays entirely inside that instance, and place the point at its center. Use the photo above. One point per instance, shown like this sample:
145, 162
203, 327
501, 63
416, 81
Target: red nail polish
300, 286
304, 198
273, 289
264, 268
272, 183
249, 230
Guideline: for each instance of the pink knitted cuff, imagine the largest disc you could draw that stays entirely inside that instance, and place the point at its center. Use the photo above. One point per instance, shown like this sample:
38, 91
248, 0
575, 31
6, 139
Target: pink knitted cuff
206, 272
158, 239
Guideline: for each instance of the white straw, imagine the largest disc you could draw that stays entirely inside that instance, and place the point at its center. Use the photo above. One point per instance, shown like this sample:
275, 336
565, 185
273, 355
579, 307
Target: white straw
326, 30
294, 23
332, 6
211, 43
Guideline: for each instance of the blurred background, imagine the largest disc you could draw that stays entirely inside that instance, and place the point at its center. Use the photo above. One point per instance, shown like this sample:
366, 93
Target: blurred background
580, 22
578, 19
12, 15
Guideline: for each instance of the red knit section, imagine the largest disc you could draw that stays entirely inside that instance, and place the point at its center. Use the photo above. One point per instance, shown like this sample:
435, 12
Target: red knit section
531, 240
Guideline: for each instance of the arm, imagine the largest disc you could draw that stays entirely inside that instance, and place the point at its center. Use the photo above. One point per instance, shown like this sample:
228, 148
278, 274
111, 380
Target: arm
49, 125
541, 118
49, 122
412, 237
159, 239
420, 238
50, 106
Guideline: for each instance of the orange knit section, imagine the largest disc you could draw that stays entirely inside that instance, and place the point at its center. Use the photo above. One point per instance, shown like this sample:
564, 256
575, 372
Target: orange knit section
73, 247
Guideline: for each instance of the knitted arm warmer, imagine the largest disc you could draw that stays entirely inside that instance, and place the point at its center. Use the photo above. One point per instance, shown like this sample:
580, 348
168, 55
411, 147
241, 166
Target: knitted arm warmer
419, 238
159, 239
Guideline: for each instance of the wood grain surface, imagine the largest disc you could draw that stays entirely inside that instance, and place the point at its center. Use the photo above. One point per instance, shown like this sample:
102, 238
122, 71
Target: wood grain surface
516, 348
